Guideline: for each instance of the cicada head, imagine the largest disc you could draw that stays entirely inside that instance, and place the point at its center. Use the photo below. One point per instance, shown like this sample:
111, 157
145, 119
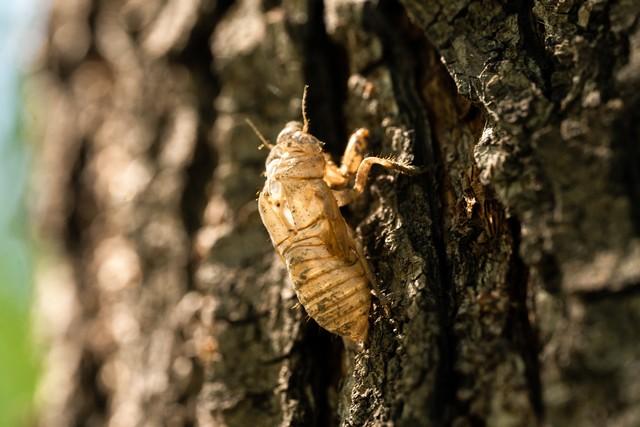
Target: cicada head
296, 154
298, 142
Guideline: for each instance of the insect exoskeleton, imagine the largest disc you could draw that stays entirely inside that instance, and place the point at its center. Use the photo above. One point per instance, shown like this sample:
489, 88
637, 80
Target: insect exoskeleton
299, 206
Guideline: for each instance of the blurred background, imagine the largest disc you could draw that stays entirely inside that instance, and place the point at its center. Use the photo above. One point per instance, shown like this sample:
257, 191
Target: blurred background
21, 30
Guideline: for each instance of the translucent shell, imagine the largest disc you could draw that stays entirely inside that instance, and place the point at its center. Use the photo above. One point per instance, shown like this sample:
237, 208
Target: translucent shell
322, 256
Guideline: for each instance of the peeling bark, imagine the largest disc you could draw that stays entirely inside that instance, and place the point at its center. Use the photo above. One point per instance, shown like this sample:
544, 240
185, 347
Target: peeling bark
512, 264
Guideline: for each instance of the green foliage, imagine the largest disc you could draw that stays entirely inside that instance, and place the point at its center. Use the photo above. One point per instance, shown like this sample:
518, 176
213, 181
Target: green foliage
17, 359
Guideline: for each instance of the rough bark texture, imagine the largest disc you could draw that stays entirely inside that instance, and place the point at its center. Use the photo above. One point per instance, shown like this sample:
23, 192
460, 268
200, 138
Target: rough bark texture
512, 264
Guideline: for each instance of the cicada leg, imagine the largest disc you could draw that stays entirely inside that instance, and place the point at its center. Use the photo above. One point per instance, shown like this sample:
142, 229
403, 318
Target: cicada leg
333, 176
338, 177
365, 168
354, 163
354, 153
346, 196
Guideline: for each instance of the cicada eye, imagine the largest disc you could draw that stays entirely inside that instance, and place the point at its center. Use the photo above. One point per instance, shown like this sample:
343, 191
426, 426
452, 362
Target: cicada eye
272, 167
275, 189
293, 125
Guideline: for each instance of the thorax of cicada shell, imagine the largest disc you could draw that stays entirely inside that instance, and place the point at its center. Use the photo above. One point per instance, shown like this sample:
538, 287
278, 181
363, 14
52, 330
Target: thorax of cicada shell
294, 188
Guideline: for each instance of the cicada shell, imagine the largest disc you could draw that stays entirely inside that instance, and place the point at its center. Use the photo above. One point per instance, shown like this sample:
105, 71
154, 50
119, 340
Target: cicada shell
299, 206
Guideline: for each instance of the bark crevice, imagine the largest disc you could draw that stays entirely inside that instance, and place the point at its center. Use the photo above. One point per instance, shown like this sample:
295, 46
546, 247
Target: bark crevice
520, 331
325, 69
532, 41
404, 54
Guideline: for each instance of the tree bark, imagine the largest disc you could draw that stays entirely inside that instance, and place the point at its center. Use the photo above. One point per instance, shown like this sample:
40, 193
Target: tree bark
512, 264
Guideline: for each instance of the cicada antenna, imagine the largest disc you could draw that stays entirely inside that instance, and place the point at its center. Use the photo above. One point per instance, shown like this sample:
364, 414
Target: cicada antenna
265, 141
305, 119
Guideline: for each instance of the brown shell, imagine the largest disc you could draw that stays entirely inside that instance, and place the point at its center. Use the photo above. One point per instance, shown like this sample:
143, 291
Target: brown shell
319, 249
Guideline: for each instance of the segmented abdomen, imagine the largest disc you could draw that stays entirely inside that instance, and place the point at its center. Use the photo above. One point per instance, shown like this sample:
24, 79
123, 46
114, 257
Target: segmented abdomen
334, 291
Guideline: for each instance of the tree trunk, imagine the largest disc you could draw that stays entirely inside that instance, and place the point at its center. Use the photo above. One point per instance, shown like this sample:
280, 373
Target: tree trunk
512, 264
